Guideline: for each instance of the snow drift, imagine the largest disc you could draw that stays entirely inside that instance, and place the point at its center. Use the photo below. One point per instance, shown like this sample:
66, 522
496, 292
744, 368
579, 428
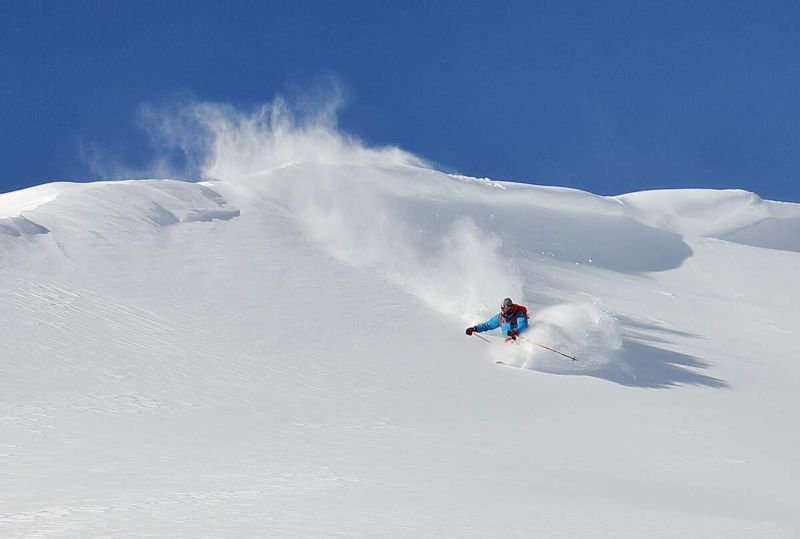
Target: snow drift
733, 215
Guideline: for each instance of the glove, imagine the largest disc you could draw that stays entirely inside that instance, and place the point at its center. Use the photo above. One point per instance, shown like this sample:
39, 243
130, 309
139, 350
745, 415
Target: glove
470, 331
513, 334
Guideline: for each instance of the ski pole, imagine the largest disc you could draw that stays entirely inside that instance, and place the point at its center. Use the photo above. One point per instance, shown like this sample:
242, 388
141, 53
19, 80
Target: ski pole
547, 347
482, 338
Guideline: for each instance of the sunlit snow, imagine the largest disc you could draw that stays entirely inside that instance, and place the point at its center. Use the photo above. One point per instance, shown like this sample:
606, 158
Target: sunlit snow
279, 351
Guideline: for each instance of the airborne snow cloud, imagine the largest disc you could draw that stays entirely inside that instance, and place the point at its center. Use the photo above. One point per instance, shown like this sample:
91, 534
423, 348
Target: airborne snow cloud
452, 265
220, 141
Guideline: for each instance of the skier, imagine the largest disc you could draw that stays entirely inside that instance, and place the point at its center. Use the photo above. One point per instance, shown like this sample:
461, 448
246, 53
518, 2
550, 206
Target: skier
512, 320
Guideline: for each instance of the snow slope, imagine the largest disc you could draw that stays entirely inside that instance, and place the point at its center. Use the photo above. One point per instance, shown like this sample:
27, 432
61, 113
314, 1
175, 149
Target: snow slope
281, 353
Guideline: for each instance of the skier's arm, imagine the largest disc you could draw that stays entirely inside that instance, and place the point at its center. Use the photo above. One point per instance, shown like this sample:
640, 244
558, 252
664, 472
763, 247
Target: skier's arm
489, 325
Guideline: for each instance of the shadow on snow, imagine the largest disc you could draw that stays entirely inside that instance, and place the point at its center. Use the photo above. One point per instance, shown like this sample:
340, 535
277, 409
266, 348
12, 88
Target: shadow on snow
646, 365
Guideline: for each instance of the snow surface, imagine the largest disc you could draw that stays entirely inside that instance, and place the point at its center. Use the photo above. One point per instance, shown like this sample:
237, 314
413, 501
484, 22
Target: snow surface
281, 353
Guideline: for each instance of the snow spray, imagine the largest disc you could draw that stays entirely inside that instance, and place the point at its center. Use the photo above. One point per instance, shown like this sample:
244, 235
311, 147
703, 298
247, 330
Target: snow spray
584, 331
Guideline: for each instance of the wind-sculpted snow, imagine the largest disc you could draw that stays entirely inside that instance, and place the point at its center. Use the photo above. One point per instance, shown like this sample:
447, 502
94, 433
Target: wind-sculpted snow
732, 215
14, 203
771, 233
20, 226
13, 224
83, 216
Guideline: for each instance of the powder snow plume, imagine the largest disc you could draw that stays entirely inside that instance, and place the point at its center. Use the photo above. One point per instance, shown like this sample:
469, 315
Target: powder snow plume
220, 141
447, 260
352, 200
584, 331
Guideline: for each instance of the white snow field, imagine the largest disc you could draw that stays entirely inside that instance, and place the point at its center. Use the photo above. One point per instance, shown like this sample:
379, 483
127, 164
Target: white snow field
280, 352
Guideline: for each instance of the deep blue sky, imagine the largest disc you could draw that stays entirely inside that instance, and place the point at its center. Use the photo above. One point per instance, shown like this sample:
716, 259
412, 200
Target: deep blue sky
605, 96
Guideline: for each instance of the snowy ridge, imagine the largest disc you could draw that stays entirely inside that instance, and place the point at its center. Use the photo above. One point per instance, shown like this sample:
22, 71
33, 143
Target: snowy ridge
281, 352
107, 211
732, 215
14, 203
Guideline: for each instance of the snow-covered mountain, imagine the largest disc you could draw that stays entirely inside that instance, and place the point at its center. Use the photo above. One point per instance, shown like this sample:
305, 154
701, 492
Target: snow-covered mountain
281, 353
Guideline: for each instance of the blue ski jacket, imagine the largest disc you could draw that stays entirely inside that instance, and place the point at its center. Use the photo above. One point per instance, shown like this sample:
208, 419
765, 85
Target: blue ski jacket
518, 321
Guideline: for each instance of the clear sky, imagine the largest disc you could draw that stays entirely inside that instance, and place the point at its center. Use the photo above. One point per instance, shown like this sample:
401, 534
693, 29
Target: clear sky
605, 96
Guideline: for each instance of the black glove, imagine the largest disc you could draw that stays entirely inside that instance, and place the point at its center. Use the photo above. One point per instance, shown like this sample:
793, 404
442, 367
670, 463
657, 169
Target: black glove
513, 334
470, 331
